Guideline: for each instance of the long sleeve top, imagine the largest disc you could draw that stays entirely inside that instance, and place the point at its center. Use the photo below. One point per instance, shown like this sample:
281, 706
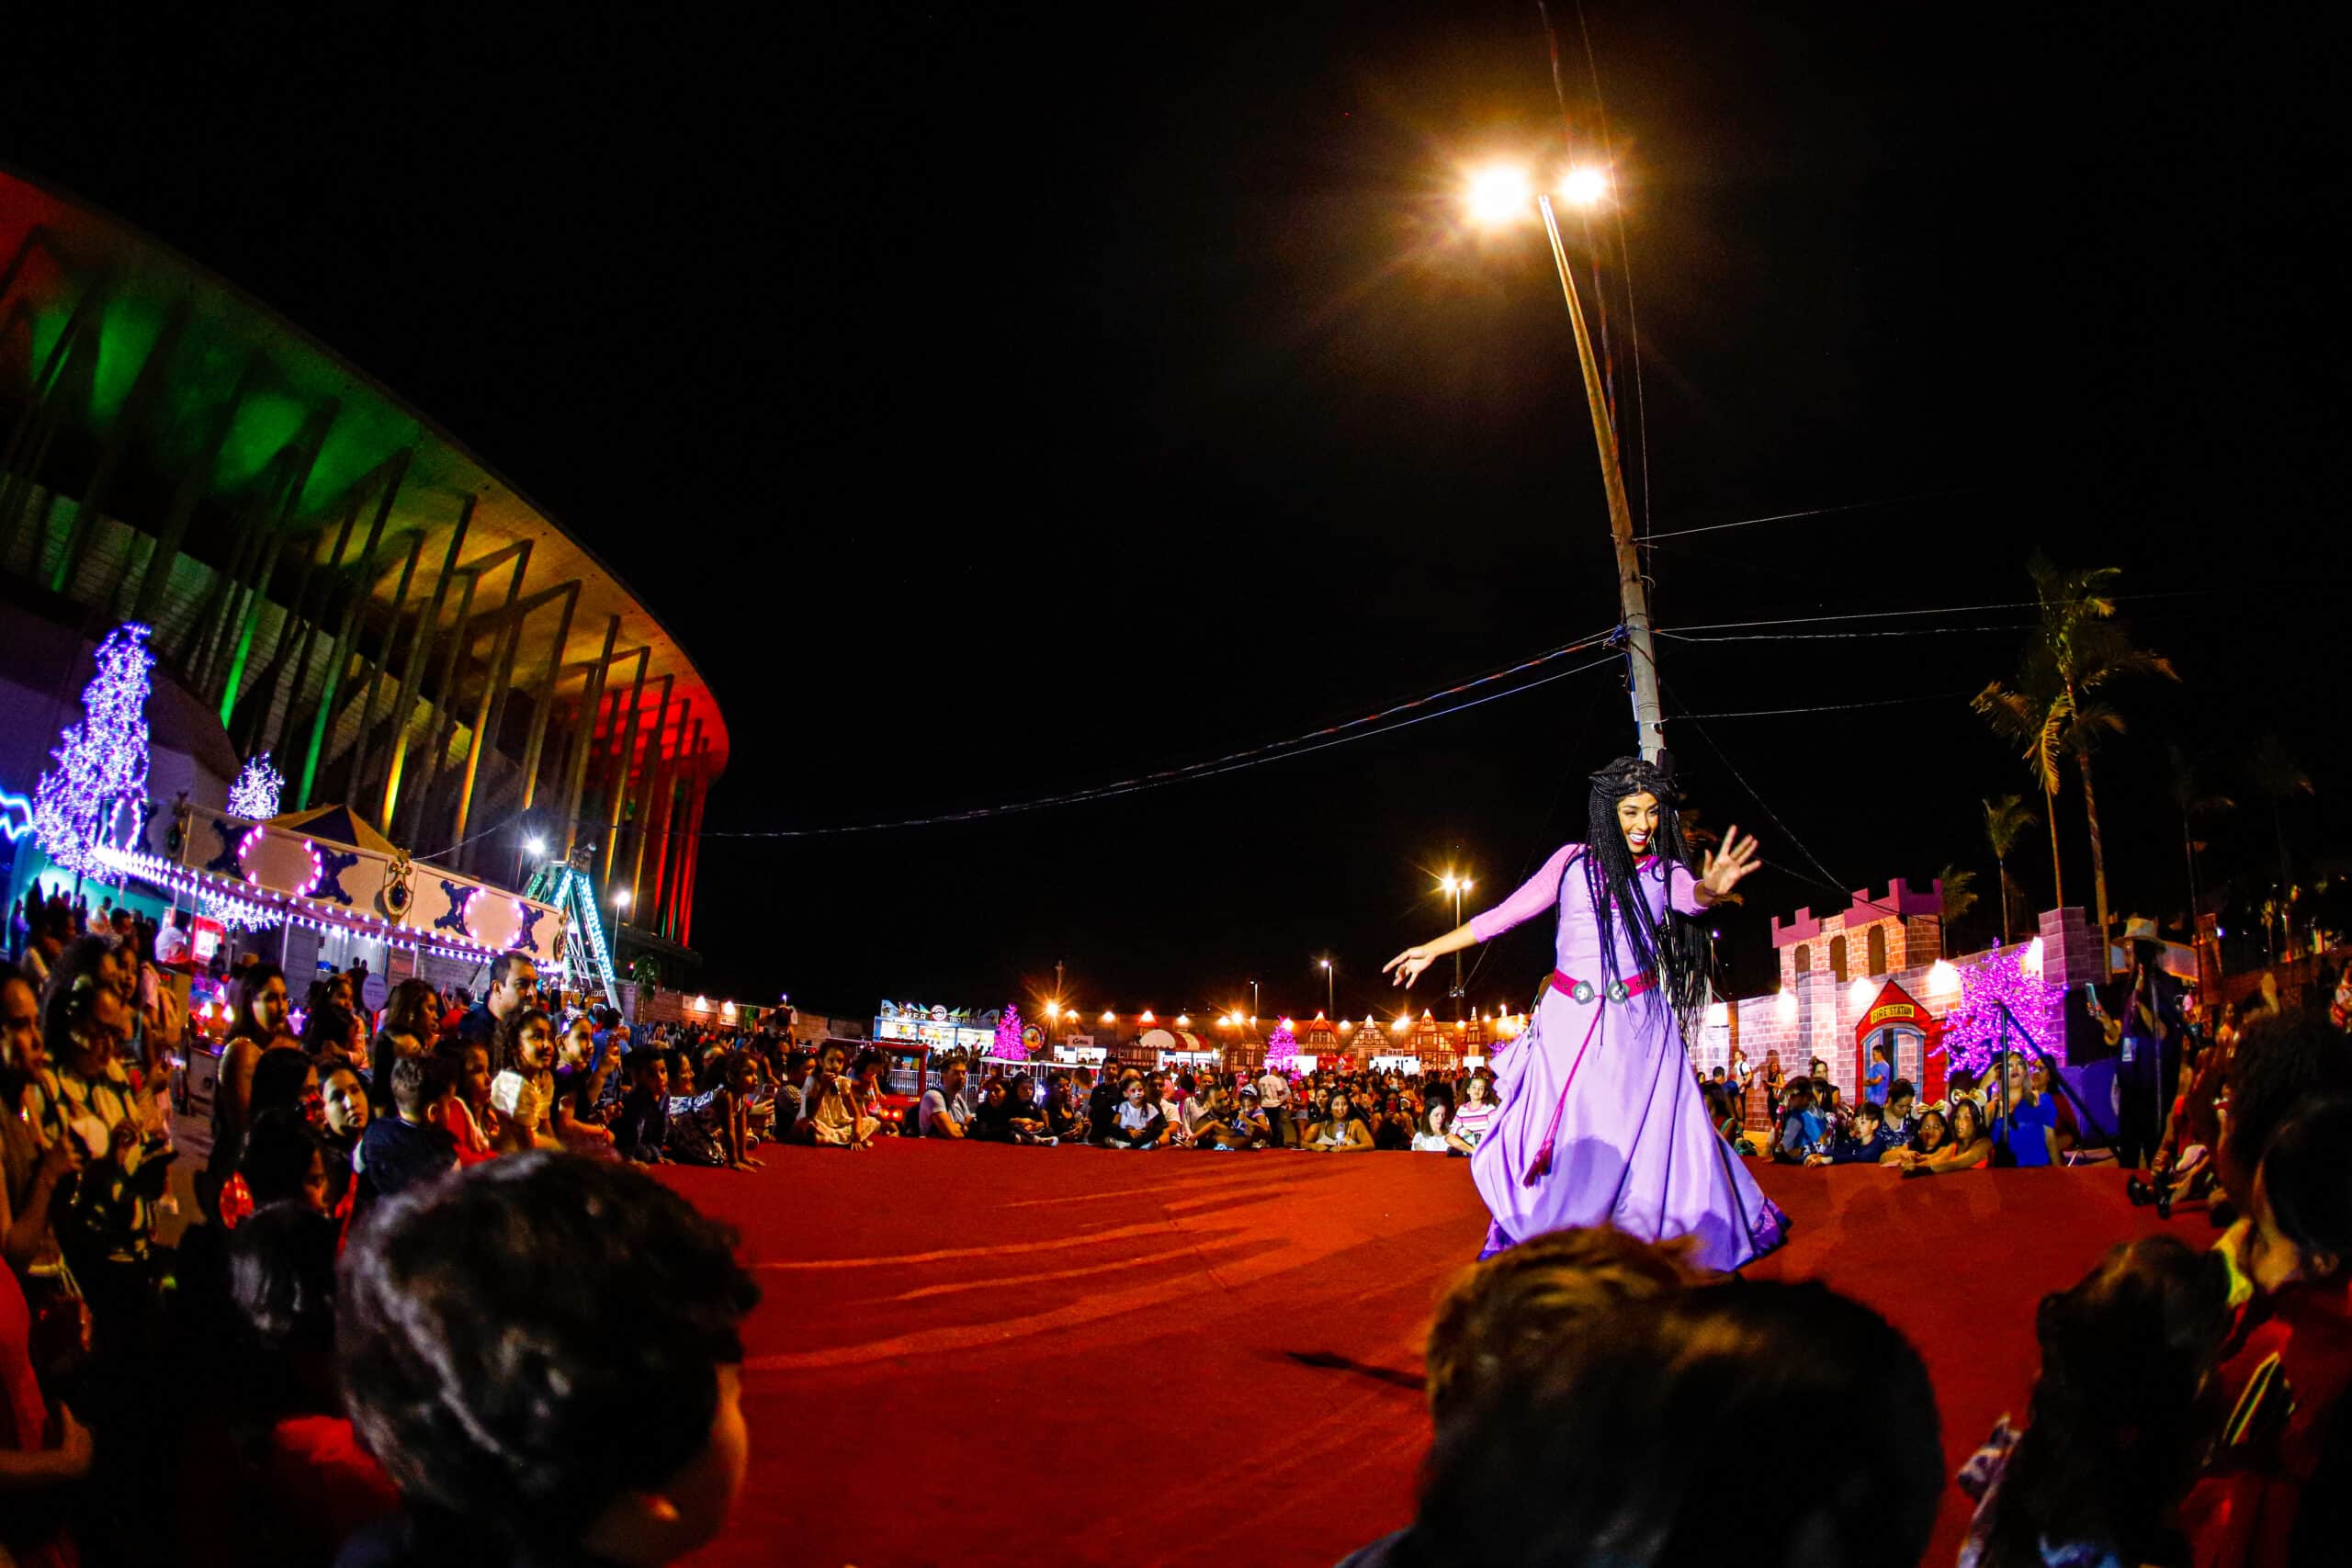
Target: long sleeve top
1576, 944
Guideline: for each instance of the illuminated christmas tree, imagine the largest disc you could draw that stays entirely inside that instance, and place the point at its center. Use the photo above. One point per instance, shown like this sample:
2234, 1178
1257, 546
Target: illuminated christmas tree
259, 786
1008, 1046
1972, 1029
1281, 1047
101, 768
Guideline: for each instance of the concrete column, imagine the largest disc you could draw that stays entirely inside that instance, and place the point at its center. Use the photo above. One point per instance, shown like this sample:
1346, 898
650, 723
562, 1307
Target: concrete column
665, 808
439, 708
693, 848
355, 594
673, 835
501, 671
419, 646
544, 698
617, 791
643, 795
591, 698
376, 668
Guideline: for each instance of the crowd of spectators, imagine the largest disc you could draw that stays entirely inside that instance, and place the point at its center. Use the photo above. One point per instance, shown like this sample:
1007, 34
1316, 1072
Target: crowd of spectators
425, 1289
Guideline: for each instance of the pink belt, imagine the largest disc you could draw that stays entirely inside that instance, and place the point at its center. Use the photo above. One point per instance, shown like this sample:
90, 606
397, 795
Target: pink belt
1621, 991
1581, 992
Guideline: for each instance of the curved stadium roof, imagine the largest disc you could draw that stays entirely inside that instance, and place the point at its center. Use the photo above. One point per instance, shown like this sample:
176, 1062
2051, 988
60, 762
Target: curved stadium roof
162, 402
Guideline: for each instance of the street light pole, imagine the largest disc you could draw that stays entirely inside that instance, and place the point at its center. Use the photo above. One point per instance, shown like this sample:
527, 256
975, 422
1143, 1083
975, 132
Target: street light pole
1457, 885
1330, 1000
1633, 596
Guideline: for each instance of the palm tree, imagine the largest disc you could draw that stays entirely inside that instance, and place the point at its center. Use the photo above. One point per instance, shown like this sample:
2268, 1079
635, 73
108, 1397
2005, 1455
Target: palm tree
2004, 819
1959, 893
2184, 783
2277, 778
2077, 650
2034, 713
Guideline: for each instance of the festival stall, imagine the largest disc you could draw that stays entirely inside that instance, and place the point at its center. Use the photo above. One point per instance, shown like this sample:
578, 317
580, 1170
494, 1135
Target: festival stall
939, 1027
336, 892
1177, 1049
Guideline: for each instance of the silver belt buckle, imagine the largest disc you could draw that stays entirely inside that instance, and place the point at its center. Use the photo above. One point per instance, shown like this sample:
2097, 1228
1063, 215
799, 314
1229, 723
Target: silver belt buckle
1581, 991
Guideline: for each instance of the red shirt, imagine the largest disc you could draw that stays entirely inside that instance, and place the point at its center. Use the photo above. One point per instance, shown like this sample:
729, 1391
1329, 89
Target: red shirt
313, 1486
2284, 1385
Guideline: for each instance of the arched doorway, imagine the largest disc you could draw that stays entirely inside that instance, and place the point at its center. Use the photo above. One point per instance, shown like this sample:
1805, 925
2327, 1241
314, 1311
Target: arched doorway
1913, 1037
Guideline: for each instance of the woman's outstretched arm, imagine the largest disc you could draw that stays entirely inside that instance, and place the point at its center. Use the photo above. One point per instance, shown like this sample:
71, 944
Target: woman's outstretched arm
1537, 894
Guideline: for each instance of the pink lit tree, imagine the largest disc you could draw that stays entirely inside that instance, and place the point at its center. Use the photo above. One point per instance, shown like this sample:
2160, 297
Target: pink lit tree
1008, 1046
1281, 1047
1972, 1029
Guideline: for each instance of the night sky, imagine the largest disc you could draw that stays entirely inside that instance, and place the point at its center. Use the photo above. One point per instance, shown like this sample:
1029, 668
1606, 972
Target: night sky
1001, 403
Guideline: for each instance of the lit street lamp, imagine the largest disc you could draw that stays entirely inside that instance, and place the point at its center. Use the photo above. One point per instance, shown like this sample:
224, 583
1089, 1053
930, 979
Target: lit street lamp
1456, 885
1329, 1005
1495, 195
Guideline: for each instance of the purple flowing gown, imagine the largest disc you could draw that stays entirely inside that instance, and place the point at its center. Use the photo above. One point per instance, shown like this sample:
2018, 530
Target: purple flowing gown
1602, 1122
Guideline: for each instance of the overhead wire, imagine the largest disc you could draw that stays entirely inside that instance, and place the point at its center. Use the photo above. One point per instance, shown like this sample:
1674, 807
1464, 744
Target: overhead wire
1816, 637
1825, 707
1651, 538
1822, 876
1303, 744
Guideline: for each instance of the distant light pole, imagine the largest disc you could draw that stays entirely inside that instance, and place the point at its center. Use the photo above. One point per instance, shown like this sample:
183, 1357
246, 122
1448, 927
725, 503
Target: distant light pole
1330, 1006
1253, 1001
1457, 885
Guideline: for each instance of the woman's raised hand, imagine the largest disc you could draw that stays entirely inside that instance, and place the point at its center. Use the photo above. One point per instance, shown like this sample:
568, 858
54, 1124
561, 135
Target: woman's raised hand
1410, 963
1723, 872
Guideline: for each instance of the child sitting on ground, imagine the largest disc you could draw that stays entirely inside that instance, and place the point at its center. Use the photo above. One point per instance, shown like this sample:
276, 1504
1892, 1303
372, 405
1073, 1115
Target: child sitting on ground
1138, 1123
1802, 1131
642, 1128
1864, 1141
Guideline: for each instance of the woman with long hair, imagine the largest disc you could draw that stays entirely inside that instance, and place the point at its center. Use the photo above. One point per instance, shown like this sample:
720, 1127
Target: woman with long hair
258, 1005
1968, 1148
1932, 1135
1602, 1122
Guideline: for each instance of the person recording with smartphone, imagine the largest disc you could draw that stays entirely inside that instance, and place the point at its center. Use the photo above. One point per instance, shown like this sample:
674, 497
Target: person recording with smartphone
2142, 1017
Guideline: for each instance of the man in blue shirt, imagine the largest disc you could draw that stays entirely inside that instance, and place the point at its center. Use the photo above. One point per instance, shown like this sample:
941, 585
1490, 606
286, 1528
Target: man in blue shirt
1879, 1079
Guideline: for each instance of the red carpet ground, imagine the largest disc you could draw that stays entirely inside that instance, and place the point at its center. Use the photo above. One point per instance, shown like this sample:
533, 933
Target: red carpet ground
992, 1355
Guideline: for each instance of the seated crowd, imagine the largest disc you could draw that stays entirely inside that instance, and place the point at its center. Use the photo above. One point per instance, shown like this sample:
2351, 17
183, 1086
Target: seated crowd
1323, 1111
427, 1287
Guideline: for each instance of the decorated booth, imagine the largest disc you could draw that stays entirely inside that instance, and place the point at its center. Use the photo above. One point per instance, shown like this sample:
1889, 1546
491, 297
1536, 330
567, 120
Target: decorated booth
324, 874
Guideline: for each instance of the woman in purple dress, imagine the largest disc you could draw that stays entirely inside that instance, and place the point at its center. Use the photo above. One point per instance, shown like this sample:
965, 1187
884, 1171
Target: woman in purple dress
1601, 1120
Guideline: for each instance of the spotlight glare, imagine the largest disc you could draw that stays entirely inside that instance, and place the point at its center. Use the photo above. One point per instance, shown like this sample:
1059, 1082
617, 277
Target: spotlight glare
1499, 193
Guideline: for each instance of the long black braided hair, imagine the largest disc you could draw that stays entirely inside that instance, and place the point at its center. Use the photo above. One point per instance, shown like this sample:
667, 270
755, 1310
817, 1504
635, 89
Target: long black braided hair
1676, 951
